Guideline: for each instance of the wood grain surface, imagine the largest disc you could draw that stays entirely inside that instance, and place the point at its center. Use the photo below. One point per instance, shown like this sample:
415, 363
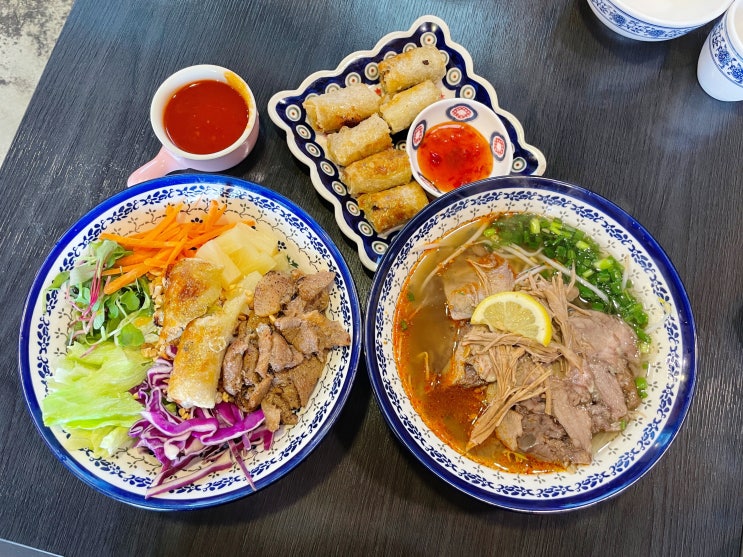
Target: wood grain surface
625, 119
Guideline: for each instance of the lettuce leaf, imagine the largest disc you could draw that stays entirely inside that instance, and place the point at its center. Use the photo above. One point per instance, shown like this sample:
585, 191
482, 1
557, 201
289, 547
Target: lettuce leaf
89, 395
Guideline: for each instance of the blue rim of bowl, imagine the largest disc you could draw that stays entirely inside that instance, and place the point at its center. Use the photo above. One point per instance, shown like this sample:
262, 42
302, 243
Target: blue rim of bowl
228, 183
687, 384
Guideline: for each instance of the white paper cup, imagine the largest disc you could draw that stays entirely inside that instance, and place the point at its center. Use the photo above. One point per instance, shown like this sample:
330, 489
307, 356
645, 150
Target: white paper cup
720, 67
171, 158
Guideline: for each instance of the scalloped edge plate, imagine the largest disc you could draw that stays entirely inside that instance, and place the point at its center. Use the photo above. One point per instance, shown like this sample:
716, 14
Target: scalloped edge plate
285, 109
671, 373
127, 474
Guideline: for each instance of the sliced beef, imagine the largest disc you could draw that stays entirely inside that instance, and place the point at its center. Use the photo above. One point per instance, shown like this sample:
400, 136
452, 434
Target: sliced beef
545, 439
251, 396
510, 429
313, 333
609, 346
278, 355
304, 377
273, 291
265, 344
458, 371
283, 354
272, 414
626, 380
232, 364
605, 337
310, 287
468, 280
609, 391
299, 333
573, 418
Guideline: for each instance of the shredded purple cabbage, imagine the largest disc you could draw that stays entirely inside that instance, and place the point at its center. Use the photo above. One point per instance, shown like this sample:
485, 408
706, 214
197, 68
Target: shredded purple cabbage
216, 436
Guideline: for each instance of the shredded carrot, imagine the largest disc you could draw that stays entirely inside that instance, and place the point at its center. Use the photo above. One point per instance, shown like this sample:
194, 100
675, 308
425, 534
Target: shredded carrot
156, 249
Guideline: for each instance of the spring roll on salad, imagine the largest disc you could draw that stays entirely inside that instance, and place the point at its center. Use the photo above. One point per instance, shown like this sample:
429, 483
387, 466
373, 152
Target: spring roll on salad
197, 366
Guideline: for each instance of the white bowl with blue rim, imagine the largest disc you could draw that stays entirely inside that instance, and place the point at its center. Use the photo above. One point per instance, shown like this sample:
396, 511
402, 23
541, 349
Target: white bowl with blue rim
467, 111
671, 368
126, 475
645, 20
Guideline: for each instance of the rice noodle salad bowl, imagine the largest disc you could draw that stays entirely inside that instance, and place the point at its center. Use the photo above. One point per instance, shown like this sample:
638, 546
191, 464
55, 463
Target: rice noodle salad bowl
630, 446
128, 474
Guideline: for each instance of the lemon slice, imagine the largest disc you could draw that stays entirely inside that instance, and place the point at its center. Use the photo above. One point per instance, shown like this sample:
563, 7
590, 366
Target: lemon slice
515, 312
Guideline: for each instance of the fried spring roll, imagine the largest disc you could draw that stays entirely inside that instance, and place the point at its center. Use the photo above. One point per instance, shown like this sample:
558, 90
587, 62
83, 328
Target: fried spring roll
411, 67
393, 207
377, 172
192, 286
331, 111
352, 144
400, 110
198, 363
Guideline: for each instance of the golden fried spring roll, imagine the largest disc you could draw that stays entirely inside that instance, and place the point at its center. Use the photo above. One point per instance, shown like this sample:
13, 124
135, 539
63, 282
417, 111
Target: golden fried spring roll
352, 144
400, 110
377, 172
193, 285
393, 207
411, 67
331, 111
198, 363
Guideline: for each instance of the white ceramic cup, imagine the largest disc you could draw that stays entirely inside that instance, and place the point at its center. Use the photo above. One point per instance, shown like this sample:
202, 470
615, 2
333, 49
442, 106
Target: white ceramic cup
720, 66
171, 158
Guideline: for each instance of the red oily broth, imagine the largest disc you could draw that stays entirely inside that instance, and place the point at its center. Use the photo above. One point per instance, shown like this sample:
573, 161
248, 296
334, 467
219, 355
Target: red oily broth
454, 153
205, 117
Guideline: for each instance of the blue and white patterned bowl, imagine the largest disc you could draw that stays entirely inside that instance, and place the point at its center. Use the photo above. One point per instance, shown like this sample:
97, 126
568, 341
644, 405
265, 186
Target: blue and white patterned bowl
43, 335
645, 20
286, 111
671, 373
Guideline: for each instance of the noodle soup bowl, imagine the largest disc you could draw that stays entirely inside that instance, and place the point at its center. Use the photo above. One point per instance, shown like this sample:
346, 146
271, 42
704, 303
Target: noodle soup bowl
670, 376
472, 118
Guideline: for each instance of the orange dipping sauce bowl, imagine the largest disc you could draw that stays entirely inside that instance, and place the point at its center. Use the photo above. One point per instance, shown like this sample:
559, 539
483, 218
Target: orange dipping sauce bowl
456, 141
206, 119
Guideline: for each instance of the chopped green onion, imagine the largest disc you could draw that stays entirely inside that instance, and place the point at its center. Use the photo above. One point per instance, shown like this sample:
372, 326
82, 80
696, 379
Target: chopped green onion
534, 227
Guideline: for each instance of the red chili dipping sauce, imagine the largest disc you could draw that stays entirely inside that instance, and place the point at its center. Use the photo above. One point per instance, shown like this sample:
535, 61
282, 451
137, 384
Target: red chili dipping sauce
454, 153
205, 117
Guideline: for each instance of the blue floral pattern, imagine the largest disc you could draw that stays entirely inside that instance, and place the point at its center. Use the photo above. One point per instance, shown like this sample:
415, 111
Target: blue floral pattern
126, 475
727, 59
671, 370
635, 27
286, 111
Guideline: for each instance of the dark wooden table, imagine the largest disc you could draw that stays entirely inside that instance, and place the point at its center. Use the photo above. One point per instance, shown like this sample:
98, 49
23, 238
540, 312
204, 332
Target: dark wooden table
625, 119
